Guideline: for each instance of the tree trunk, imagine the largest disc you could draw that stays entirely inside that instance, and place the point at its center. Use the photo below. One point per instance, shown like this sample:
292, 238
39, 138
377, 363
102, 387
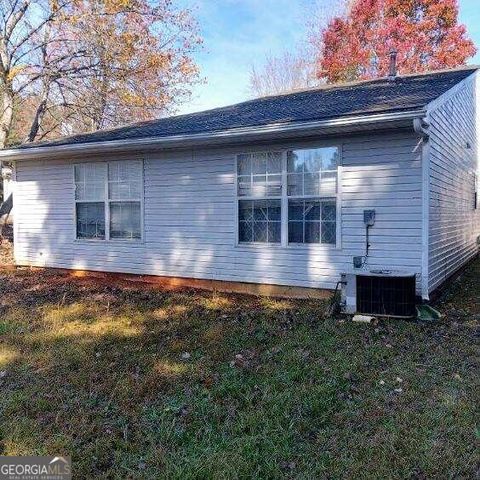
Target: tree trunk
6, 116
39, 114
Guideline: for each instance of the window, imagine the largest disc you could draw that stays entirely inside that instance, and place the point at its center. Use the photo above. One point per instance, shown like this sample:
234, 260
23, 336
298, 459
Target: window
311, 191
109, 194
124, 196
260, 185
90, 200
288, 198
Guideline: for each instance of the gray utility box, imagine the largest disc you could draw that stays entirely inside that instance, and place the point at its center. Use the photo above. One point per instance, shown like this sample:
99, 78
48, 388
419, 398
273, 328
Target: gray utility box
379, 292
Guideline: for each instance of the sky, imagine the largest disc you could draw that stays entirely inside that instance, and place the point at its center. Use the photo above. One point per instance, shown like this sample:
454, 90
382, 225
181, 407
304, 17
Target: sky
240, 33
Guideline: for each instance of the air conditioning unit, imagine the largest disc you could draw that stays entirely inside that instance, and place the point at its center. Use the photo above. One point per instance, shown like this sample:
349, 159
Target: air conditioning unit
379, 292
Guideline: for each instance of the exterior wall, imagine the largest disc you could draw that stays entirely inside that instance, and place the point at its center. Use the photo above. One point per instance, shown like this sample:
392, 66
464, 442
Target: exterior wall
190, 218
454, 224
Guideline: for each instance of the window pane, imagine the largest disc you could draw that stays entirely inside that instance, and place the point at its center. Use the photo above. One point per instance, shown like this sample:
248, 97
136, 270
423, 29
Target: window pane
90, 181
244, 186
260, 232
295, 210
295, 184
259, 221
259, 187
274, 163
312, 160
245, 233
295, 232
259, 174
312, 210
274, 185
125, 180
294, 163
328, 232
307, 172
260, 211
274, 232
91, 220
245, 210
328, 183
244, 165
312, 232
329, 211
274, 211
311, 221
125, 220
311, 184
259, 164
330, 158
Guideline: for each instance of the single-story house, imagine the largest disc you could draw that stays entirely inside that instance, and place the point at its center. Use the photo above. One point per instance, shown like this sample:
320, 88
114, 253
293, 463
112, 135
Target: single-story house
273, 191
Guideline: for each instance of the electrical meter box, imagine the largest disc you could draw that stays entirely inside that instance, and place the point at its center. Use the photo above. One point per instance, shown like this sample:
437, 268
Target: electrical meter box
369, 217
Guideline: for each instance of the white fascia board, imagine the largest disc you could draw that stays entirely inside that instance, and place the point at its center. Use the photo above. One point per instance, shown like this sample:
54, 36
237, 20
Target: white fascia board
211, 138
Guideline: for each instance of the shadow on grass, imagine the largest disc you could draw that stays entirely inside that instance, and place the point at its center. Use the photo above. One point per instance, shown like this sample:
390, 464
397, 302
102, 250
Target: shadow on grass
142, 383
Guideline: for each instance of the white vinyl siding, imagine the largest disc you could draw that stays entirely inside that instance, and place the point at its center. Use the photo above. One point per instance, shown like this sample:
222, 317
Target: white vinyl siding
454, 223
190, 224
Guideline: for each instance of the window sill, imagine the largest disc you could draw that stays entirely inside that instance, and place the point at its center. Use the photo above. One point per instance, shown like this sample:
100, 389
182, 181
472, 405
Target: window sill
295, 246
90, 241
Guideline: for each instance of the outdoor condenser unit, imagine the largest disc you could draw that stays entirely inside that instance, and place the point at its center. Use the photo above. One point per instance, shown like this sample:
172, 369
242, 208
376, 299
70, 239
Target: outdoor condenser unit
379, 292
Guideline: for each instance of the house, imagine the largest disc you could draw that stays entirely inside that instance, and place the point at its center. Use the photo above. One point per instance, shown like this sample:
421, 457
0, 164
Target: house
272, 191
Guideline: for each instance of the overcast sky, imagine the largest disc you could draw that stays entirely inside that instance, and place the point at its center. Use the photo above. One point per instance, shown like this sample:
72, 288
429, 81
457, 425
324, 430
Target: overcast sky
238, 33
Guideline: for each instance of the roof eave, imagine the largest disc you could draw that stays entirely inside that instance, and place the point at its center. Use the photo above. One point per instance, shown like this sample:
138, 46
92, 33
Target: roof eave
224, 137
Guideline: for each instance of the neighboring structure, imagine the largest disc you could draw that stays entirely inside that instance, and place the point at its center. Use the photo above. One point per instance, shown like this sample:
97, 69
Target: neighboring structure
270, 191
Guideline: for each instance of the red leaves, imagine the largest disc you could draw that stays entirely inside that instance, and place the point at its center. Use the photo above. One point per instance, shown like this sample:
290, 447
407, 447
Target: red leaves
424, 32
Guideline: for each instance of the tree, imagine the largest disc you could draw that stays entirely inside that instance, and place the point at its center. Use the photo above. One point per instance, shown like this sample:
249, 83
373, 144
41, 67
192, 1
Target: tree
142, 57
282, 74
425, 33
80, 65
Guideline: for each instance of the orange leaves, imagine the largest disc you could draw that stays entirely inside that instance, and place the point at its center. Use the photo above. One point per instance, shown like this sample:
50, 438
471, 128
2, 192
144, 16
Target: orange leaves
424, 32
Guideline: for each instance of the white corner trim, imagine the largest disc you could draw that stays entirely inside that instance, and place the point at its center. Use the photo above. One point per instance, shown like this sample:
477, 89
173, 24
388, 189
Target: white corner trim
425, 216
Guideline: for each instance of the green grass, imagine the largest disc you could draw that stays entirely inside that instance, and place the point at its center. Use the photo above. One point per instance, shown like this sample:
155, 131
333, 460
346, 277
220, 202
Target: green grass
271, 388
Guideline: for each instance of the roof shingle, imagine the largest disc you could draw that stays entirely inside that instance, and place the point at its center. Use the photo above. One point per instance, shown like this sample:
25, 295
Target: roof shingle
323, 103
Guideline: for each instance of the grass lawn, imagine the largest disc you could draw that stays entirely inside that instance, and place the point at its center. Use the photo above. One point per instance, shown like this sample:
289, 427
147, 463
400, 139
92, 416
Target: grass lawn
134, 382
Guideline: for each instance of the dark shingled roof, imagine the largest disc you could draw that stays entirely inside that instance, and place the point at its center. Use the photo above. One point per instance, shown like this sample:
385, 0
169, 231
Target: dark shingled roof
375, 96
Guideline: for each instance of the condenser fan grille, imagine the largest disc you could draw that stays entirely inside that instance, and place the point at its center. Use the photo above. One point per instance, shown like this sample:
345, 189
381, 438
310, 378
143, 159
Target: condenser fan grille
383, 295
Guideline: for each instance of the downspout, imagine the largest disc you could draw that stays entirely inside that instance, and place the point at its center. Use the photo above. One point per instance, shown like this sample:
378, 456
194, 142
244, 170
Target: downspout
420, 126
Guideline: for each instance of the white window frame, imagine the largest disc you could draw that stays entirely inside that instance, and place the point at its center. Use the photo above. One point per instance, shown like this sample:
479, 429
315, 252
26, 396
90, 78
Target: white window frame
268, 197
106, 201
284, 201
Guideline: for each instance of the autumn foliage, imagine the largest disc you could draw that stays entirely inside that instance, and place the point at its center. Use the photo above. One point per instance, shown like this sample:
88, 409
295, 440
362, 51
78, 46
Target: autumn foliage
70, 66
426, 34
